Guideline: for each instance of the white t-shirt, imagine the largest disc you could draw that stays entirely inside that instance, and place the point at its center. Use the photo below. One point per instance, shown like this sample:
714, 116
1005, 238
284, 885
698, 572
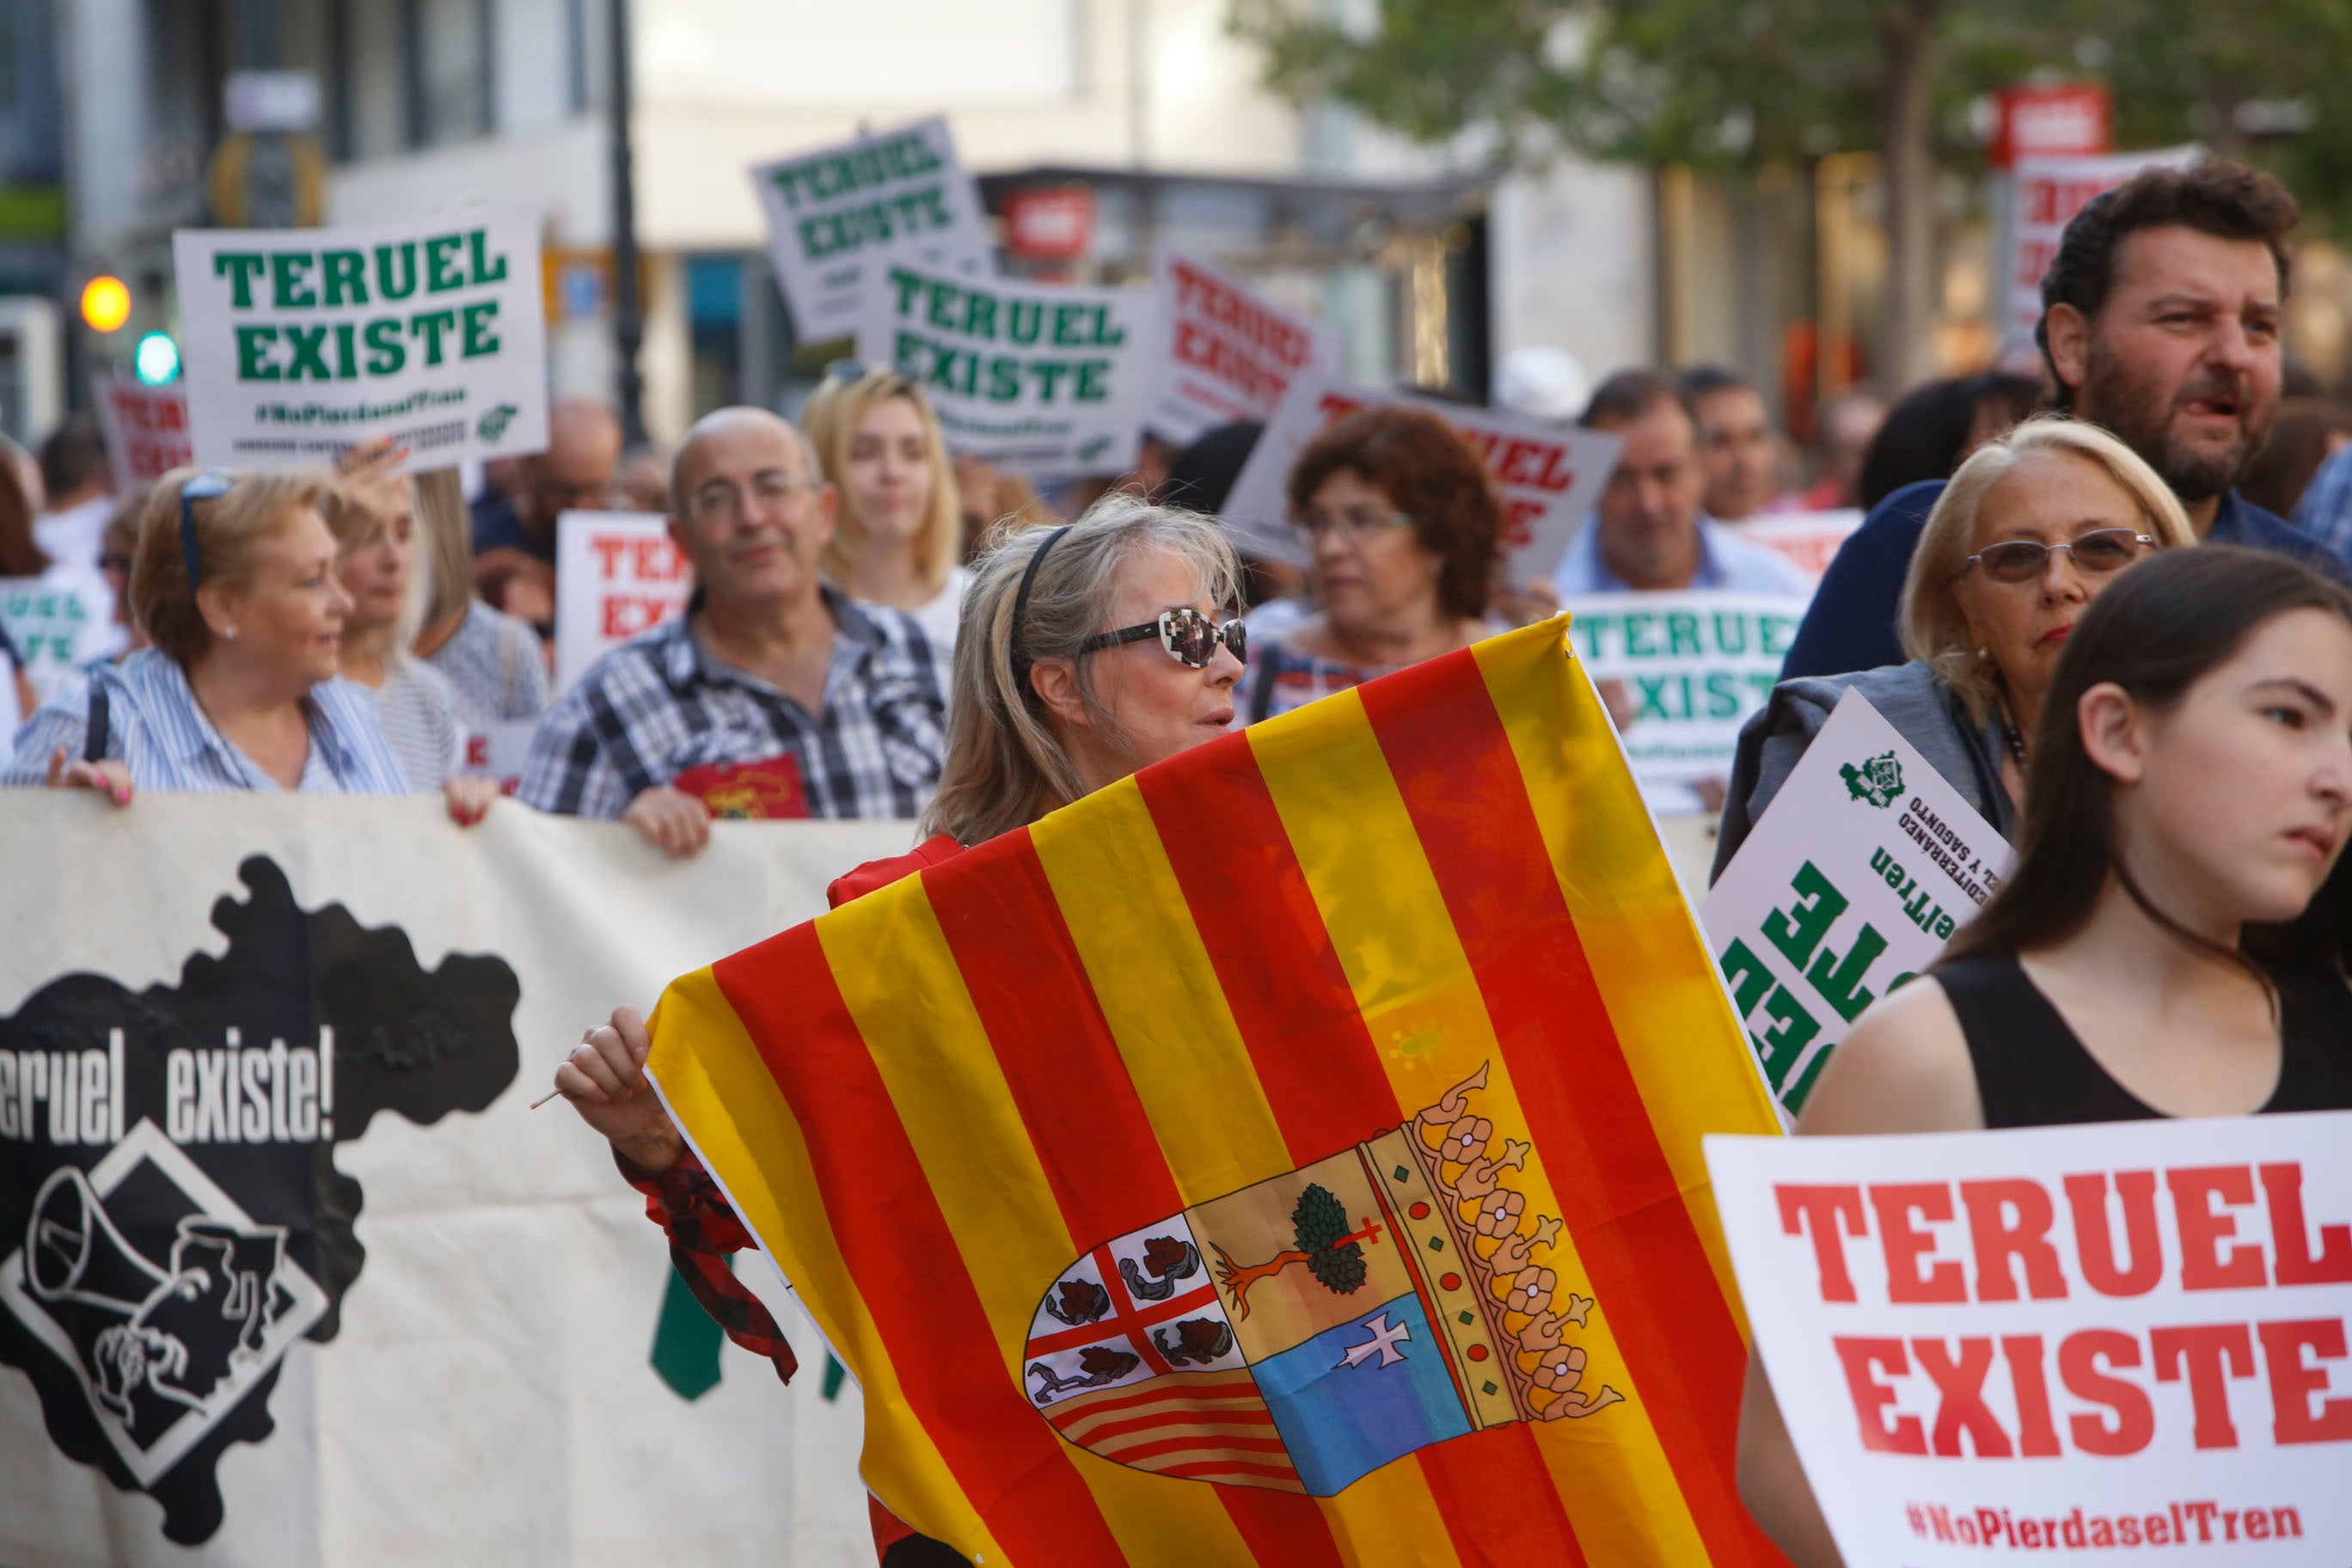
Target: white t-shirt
72, 537
419, 710
938, 615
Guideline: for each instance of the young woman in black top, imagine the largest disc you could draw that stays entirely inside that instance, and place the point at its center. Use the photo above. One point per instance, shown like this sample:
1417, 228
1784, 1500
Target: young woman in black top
2156, 950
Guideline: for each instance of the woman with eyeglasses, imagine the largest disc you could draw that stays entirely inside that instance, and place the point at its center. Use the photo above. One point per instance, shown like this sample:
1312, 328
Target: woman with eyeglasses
897, 538
1403, 533
1088, 650
2168, 942
234, 580
2031, 529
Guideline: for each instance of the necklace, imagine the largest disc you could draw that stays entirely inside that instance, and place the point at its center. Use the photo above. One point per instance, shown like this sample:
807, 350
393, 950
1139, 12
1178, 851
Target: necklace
2009, 734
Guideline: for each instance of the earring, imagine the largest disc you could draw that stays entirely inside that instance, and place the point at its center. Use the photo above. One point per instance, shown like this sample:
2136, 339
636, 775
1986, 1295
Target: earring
229, 632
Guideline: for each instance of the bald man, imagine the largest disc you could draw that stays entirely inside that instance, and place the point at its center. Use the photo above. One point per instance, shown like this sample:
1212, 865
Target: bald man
832, 708
514, 534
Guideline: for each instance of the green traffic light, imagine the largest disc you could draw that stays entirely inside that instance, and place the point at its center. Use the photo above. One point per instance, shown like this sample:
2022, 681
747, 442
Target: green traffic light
157, 359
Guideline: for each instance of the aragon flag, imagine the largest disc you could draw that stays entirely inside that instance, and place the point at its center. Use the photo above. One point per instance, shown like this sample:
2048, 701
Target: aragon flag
1289, 1155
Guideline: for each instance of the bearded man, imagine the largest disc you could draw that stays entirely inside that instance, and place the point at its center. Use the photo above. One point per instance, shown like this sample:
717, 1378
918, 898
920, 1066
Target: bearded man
2161, 320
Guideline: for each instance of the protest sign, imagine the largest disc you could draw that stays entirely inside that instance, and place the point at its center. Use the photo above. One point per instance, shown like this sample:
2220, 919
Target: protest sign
1039, 377
1862, 866
837, 214
2047, 192
2097, 1343
1808, 540
301, 343
288, 1272
146, 430
1547, 475
58, 622
499, 750
1227, 352
616, 575
1695, 664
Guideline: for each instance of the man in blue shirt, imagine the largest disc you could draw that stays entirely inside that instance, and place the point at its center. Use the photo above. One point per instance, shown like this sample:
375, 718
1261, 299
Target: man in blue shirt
2161, 321
1647, 532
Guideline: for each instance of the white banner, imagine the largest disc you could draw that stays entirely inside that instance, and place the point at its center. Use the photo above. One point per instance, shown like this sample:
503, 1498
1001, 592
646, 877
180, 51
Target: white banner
300, 343
1547, 475
837, 214
1227, 352
289, 1274
58, 622
146, 429
1038, 376
1864, 864
2114, 1343
616, 575
1695, 664
2047, 194
1809, 540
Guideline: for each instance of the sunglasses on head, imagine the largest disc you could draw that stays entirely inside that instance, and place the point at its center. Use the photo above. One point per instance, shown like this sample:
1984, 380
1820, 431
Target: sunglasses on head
2098, 552
210, 485
1190, 636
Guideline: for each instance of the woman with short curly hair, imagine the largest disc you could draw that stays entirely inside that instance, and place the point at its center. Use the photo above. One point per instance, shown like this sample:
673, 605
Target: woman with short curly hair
1404, 534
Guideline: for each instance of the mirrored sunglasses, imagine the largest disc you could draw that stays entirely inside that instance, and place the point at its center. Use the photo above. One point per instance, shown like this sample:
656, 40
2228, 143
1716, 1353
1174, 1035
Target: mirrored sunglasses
1190, 636
2024, 560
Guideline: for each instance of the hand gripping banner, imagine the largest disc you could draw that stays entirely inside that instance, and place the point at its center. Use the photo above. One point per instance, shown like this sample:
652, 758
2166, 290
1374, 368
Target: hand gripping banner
1289, 1155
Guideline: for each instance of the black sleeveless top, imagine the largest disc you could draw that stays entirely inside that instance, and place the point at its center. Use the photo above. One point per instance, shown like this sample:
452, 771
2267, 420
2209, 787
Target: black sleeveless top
2032, 1071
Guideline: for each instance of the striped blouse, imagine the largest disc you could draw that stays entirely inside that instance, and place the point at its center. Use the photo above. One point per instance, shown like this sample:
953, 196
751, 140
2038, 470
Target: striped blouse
154, 725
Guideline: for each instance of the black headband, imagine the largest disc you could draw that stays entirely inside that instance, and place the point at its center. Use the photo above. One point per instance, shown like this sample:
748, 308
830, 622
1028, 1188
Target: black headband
1021, 599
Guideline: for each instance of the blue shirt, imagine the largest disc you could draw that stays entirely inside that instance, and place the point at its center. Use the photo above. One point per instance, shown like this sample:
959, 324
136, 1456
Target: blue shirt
1725, 561
154, 725
2325, 512
1851, 626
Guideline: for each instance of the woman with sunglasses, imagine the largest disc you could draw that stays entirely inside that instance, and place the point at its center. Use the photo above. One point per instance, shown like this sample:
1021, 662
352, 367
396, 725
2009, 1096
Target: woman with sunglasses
898, 539
234, 580
1402, 532
1088, 650
2169, 944
2034, 526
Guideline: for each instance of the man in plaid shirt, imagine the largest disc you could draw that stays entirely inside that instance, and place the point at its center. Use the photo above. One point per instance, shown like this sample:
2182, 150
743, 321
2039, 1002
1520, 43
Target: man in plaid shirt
768, 665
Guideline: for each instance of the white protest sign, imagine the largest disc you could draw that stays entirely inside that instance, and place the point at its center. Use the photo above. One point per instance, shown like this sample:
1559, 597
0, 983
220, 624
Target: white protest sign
1227, 353
301, 343
2078, 1343
616, 575
1864, 865
1547, 475
1809, 541
146, 429
499, 750
58, 622
278, 1140
2047, 192
1036, 377
836, 214
1695, 664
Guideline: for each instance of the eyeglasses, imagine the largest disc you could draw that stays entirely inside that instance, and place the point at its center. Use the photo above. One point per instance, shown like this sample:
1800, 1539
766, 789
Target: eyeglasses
723, 500
210, 485
1355, 523
2095, 554
1190, 636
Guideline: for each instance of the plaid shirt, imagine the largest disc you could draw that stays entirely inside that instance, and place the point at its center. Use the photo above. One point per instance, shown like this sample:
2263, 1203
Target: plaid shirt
2325, 512
660, 704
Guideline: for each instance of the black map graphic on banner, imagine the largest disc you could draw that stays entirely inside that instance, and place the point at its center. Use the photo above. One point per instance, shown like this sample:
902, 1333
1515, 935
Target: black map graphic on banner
170, 1215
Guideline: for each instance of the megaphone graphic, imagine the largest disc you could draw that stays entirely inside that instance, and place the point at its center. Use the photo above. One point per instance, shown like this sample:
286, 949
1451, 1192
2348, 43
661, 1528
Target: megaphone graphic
73, 1254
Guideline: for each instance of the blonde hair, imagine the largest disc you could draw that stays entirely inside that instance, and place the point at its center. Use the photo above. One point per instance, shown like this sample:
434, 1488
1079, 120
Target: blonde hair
1005, 765
1933, 625
353, 518
447, 529
830, 421
230, 531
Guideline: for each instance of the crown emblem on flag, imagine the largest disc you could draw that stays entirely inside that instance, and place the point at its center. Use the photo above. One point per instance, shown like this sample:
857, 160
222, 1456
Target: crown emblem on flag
1308, 1329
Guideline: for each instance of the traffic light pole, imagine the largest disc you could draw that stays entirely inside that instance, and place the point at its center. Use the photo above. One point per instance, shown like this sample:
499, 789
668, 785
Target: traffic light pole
628, 318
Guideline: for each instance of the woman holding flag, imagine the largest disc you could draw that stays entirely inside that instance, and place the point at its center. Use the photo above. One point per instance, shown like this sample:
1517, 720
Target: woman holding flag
2158, 950
1085, 653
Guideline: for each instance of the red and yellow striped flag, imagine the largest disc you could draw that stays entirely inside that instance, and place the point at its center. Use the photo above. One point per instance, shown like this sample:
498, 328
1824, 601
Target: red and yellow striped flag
1288, 1155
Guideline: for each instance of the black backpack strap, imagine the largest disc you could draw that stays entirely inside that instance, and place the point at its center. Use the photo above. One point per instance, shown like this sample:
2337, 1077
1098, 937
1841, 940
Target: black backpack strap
94, 739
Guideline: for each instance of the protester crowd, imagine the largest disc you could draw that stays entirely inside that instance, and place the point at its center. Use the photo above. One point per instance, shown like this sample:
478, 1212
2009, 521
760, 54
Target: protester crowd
2039, 601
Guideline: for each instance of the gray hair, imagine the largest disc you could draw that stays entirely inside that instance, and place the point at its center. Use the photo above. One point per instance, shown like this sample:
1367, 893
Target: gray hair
1006, 766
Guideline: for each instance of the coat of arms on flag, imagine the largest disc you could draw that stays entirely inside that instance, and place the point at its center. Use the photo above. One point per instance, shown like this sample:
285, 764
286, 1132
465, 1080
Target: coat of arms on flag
1398, 1298
1277, 1156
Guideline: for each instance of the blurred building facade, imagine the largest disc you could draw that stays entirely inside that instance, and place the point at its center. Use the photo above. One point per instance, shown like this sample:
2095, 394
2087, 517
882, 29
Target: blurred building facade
1147, 107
